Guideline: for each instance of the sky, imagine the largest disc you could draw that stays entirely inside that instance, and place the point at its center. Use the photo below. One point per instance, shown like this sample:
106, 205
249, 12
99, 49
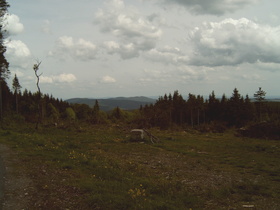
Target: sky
111, 48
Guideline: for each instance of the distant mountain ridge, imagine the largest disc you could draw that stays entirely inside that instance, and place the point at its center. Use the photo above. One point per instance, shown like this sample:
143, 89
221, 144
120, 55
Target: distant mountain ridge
125, 103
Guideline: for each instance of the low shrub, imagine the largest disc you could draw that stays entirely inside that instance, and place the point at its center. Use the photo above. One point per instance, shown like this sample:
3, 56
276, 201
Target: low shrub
266, 130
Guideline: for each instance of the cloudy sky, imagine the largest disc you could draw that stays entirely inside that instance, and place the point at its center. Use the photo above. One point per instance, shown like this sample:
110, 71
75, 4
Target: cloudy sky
145, 47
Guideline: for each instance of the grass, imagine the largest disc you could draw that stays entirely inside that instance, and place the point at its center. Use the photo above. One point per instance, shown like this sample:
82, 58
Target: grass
98, 168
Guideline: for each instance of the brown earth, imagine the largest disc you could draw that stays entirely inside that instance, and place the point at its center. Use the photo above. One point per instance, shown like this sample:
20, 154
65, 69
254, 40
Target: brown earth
39, 189
18, 188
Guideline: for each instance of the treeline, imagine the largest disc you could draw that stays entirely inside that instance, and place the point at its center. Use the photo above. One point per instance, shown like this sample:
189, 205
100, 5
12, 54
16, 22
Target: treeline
261, 118
226, 112
29, 107
26, 104
168, 110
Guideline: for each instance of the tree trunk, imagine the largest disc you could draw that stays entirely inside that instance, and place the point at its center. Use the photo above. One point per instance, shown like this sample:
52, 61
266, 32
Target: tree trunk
192, 117
16, 103
198, 117
36, 68
1, 102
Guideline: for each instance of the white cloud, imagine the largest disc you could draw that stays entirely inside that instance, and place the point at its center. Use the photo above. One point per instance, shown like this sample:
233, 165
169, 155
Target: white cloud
12, 24
135, 33
232, 42
167, 55
46, 80
126, 51
213, 7
62, 78
112, 47
17, 48
65, 78
180, 74
17, 53
80, 50
108, 79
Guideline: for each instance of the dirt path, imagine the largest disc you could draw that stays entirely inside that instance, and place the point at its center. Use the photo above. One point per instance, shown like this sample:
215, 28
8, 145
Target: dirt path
39, 188
2, 175
16, 188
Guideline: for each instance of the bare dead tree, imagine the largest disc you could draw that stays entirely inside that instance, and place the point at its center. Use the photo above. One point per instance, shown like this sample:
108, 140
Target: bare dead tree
36, 69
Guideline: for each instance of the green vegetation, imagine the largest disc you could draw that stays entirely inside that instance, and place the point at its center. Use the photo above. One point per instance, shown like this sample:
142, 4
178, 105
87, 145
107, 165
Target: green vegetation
97, 167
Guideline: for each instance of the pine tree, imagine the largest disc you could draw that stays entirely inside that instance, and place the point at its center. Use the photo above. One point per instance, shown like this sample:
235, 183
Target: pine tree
213, 107
224, 109
235, 107
16, 87
200, 107
117, 113
191, 103
96, 107
248, 110
178, 107
95, 112
260, 97
163, 112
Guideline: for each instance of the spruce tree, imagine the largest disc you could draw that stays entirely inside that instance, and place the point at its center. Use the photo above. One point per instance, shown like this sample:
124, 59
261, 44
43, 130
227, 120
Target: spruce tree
260, 97
235, 108
248, 110
16, 87
95, 113
191, 104
213, 107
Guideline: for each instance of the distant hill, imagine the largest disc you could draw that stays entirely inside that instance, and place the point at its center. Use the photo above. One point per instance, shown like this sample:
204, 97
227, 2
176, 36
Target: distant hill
125, 103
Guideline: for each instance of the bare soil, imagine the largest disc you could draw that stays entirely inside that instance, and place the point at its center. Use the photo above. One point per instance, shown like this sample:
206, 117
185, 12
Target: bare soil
36, 189
18, 188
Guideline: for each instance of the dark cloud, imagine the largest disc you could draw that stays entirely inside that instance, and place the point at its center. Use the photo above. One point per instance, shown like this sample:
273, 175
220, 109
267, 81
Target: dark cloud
213, 7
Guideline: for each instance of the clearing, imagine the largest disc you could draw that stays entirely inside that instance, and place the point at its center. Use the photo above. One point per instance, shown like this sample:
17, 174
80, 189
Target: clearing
99, 168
